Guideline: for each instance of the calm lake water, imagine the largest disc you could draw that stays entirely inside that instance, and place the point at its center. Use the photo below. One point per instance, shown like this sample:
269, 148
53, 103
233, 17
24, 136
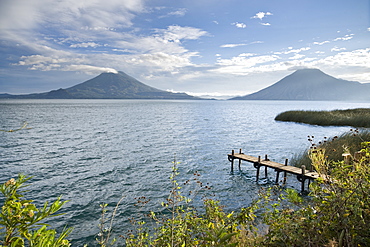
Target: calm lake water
95, 151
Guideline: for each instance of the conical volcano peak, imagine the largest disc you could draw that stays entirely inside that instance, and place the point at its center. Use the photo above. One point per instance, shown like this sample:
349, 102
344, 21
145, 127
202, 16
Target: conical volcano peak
312, 84
110, 84
308, 71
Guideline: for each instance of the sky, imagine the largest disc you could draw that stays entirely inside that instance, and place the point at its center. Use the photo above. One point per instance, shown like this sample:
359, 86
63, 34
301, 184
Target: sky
219, 48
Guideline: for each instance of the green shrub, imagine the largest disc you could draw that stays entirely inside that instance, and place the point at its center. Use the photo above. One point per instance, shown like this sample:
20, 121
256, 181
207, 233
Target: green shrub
21, 221
337, 212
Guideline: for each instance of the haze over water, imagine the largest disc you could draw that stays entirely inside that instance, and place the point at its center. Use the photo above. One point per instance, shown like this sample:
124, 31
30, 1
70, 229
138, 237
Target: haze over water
95, 151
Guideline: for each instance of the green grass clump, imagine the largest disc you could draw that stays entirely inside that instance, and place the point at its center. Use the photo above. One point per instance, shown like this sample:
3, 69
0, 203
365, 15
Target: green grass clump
359, 117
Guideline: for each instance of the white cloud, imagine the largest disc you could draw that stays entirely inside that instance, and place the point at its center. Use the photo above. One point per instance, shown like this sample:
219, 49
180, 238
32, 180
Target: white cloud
335, 48
297, 56
291, 50
179, 13
356, 58
22, 20
247, 55
239, 25
176, 33
347, 37
89, 69
43, 63
321, 43
164, 61
85, 45
265, 24
261, 15
232, 45
163, 40
242, 44
239, 65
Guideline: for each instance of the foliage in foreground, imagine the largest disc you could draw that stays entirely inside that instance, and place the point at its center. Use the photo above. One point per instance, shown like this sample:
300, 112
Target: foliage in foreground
20, 219
186, 226
336, 213
359, 117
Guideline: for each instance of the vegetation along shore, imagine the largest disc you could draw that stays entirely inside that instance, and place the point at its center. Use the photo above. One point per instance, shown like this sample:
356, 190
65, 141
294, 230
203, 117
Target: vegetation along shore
359, 117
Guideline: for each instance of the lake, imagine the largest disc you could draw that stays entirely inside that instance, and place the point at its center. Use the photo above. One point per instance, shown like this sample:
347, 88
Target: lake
95, 151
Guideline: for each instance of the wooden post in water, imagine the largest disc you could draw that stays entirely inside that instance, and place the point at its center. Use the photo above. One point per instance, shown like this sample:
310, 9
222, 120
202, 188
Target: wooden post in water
303, 177
266, 166
232, 161
285, 173
258, 168
277, 177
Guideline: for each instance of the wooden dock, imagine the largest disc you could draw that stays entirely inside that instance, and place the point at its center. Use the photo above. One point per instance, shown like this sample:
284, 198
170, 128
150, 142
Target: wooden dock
301, 173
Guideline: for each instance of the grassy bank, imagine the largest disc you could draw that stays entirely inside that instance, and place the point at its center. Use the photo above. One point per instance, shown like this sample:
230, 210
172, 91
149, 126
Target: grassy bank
359, 117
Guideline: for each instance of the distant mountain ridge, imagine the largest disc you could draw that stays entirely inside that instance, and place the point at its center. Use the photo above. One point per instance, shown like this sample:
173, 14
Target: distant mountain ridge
107, 86
312, 84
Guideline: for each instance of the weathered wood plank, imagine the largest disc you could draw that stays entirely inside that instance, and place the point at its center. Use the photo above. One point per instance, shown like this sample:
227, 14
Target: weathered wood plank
276, 166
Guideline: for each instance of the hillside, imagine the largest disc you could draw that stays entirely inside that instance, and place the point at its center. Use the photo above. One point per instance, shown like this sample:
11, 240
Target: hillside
311, 84
107, 86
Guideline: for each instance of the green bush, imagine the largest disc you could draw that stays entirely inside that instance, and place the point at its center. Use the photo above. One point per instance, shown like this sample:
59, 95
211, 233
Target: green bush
21, 221
337, 212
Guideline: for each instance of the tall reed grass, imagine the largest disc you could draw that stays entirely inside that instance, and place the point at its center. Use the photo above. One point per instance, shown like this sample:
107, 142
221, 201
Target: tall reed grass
334, 147
359, 117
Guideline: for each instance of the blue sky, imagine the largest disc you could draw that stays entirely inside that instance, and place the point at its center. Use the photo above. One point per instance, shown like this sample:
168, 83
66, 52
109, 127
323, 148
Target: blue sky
219, 48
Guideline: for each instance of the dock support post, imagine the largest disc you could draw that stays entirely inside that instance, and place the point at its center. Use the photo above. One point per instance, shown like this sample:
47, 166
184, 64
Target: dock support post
303, 177
285, 173
266, 159
265, 171
232, 161
258, 168
277, 177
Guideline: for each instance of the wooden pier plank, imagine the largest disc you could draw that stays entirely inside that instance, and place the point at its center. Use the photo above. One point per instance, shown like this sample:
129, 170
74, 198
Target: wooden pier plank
274, 165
